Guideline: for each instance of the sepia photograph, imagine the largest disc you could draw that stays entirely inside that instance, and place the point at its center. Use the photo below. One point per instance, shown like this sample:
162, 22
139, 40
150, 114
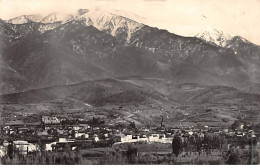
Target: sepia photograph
129, 82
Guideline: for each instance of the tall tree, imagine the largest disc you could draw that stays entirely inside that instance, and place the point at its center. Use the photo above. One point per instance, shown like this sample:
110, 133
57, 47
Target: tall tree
131, 153
176, 145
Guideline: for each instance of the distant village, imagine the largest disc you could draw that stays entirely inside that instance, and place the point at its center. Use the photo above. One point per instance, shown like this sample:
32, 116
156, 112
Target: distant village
54, 134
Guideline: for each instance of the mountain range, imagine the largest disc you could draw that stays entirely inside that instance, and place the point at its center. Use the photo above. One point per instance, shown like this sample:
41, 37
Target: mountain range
52, 50
82, 56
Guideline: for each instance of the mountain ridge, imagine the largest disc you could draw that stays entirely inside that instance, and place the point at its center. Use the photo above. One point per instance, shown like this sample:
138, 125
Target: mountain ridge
77, 47
143, 100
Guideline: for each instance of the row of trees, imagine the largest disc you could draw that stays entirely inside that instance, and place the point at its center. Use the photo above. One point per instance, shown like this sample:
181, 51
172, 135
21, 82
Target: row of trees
232, 156
196, 144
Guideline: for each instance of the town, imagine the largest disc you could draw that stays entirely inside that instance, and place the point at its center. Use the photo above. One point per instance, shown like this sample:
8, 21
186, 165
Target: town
56, 134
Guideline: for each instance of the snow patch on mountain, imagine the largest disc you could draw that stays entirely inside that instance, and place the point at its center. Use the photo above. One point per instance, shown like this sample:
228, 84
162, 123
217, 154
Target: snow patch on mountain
113, 23
55, 17
215, 36
48, 26
25, 19
126, 14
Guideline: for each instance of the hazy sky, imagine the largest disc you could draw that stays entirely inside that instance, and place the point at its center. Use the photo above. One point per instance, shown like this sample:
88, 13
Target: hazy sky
184, 17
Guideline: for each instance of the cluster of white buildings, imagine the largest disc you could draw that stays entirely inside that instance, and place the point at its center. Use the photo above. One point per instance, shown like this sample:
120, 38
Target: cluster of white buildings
50, 120
160, 138
21, 147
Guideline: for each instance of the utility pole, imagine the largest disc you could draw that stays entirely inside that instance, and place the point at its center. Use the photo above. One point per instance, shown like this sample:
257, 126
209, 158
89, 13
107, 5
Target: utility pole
162, 122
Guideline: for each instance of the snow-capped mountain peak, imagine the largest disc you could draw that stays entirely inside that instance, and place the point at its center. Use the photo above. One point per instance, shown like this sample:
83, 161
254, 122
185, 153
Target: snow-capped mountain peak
55, 17
215, 36
25, 19
110, 22
124, 13
113, 22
